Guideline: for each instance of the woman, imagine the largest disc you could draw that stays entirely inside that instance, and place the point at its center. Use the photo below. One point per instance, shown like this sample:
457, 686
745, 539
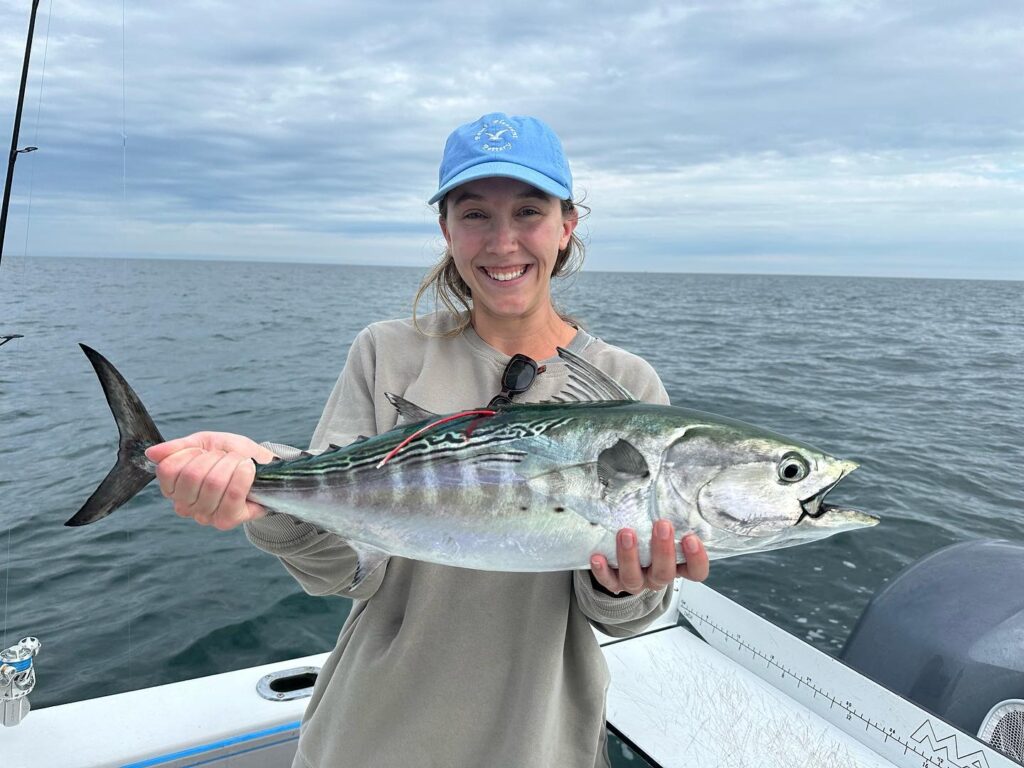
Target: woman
438, 665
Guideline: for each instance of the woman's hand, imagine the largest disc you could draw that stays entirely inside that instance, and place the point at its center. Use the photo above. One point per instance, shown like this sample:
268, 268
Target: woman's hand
208, 475
631, 577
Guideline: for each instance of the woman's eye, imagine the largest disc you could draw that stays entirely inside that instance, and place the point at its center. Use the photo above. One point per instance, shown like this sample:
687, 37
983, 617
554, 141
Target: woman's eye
793, 468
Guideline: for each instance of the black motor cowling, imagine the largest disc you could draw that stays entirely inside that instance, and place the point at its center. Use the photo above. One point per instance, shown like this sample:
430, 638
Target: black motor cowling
948, 634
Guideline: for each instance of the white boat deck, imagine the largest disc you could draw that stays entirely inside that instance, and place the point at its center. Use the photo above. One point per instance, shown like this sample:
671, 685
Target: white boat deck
209, 721
678, 700
684, 704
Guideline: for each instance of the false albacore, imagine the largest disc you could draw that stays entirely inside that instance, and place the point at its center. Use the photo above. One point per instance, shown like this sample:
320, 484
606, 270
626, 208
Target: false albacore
531, 487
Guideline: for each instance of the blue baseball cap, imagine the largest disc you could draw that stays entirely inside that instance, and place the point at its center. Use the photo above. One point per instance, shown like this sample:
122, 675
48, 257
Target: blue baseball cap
515, 147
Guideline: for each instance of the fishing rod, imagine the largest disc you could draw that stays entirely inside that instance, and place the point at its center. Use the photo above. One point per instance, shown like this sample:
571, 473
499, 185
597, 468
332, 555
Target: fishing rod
17, 672
17, 127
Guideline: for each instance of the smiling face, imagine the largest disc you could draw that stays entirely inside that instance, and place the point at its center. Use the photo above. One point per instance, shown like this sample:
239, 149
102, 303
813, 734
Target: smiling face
504, 236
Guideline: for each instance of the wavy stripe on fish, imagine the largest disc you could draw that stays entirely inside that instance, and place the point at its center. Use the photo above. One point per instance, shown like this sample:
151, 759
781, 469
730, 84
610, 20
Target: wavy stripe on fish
454, 444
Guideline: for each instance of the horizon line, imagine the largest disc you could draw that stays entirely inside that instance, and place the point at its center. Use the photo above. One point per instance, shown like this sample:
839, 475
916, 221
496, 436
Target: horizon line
584, 270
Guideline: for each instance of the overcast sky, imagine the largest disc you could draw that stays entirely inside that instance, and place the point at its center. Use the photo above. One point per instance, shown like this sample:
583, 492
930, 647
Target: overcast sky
847, 137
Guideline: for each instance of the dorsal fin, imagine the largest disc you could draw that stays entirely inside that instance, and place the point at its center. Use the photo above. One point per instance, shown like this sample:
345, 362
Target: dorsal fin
588, 382
408, 413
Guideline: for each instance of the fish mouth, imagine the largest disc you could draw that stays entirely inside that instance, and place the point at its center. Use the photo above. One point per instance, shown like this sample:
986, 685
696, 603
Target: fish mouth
814, 506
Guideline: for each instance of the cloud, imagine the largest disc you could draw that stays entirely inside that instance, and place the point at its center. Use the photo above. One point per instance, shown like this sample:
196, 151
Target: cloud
735, 136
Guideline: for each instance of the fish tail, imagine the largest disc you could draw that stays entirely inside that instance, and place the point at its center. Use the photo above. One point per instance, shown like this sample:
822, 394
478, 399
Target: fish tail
132, 471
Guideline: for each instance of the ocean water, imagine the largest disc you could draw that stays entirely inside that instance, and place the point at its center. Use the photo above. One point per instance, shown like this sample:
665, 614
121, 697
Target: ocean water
920, 381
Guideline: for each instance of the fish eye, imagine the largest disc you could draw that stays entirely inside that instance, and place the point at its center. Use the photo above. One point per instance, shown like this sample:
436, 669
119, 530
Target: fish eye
793, 468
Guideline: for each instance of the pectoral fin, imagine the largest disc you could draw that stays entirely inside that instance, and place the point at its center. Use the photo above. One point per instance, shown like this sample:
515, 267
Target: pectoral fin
621, 464
627, 483
620, 478
369, 560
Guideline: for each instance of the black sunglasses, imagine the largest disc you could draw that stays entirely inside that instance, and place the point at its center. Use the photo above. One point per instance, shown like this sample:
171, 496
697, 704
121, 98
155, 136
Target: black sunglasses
517, 377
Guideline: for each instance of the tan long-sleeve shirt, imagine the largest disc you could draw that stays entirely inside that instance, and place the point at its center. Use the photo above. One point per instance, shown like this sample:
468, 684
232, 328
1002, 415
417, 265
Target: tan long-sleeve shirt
441, 666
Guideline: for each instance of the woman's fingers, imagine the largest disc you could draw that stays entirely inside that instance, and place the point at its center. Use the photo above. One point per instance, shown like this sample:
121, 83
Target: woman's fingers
188, 489
663, 556
696, 566
631, 573
221, 500
168, 471
209, 441
157, 453
631, 577
604, 574
208, 476
234, 509
211, 500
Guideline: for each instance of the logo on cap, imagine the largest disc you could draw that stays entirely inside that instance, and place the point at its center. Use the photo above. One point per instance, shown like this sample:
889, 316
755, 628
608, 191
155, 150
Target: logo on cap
498, 135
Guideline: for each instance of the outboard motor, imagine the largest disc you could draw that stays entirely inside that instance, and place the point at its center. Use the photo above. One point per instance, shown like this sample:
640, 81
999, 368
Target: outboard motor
948, 634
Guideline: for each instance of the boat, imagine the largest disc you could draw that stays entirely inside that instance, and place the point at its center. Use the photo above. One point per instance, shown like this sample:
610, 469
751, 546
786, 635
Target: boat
932, 675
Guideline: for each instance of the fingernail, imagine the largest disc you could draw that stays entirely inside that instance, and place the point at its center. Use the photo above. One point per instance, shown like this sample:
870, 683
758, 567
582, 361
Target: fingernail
595, 563
628, 540
663, 530
691, 544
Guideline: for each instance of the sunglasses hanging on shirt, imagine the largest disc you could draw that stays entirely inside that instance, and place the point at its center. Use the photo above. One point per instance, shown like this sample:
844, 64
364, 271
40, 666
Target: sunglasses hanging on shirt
517, 377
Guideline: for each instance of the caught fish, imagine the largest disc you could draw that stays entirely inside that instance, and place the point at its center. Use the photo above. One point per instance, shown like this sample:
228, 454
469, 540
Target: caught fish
529, 487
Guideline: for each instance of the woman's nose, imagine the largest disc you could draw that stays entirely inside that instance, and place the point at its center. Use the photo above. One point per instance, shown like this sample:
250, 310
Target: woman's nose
503, 237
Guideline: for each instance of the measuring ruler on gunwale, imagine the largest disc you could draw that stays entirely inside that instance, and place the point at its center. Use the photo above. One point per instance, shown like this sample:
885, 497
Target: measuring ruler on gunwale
889, 725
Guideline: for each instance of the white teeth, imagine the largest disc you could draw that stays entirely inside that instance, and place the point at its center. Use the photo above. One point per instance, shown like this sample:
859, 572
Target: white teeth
505, 276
